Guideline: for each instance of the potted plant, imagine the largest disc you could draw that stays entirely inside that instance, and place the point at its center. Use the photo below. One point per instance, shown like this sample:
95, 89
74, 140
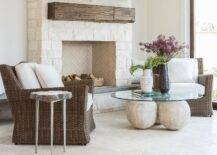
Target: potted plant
146, 80
166, 48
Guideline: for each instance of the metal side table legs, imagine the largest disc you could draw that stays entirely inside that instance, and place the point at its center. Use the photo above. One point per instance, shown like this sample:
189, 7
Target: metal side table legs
50, 97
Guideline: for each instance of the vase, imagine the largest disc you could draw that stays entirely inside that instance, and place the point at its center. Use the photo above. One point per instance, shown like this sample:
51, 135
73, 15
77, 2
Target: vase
164, 85
146, 81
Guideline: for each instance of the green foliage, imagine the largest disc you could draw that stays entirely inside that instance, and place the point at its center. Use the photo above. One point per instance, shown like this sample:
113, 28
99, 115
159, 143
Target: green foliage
214, 94
156, 61
133, 68
150, 63
214, 70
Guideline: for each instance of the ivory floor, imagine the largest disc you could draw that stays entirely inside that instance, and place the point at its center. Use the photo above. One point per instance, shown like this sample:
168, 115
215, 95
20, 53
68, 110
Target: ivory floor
115, 136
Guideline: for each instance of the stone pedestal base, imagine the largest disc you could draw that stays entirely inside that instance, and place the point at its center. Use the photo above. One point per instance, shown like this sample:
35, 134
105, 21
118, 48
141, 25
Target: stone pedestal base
174, 115
144, 114
141, 115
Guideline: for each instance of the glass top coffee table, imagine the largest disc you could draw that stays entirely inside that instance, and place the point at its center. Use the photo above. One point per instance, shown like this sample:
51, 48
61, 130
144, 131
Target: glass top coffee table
145, 110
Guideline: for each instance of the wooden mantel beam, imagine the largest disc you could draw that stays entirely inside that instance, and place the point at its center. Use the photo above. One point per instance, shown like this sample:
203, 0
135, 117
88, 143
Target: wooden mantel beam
92, 13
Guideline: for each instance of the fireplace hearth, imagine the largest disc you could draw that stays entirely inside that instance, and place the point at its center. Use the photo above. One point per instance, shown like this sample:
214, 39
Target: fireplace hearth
92, 57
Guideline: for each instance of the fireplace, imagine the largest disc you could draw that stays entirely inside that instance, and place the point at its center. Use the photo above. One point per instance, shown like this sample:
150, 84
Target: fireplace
90, 57
106, 48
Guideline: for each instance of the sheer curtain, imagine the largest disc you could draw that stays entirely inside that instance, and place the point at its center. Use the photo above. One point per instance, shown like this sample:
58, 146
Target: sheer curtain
206, 36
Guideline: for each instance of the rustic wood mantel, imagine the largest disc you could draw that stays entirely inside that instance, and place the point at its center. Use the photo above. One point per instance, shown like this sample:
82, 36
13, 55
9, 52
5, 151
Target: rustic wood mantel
92, 13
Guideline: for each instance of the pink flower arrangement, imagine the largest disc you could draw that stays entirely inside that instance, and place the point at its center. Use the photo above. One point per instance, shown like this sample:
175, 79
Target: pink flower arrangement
165, 47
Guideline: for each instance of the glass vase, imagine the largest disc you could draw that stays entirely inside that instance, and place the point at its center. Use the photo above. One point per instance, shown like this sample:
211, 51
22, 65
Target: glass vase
164, 85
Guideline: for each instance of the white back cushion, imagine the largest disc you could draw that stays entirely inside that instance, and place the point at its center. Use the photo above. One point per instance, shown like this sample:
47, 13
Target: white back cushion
48, 76
135, 78
183, 70
26, 75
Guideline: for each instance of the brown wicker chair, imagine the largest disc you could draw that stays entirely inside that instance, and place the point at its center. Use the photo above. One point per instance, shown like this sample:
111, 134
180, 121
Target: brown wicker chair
79, 121
202, 106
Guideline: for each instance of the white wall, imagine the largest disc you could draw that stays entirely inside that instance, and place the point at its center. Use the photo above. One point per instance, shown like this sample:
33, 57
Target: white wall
167, 17
154, 17
163, 18
12, 32
140, 29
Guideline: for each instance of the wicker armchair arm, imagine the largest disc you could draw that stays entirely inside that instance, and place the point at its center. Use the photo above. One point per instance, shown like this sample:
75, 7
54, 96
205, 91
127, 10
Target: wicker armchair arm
21, 102
207, 81
87, 82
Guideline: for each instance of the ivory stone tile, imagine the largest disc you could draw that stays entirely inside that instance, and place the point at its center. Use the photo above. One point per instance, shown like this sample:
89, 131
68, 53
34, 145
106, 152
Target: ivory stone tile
115, 136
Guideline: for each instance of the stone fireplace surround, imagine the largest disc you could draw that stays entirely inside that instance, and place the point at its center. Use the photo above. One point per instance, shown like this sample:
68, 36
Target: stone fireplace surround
46, 37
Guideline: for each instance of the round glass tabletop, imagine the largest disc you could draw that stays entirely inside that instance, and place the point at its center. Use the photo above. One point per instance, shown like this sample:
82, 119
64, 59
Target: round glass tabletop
138, 95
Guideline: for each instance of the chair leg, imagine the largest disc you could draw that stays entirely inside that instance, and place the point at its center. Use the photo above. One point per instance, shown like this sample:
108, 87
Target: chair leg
64, 125
36, 125
51, 126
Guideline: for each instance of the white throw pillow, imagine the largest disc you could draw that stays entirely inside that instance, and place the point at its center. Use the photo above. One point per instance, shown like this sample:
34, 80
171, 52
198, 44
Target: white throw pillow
26, 75
48, 76
183, 70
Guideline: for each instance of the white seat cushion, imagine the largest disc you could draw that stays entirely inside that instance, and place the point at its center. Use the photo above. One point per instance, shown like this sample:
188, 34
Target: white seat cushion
48, 76
89, 101
194, 89
183, 70
2, 90
26, 75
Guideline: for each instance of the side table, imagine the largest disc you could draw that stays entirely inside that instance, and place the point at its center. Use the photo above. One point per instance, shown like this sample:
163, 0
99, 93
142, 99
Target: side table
51, 97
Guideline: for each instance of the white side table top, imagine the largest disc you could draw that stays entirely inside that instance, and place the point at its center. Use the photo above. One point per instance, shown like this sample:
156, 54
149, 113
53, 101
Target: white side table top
48, 96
